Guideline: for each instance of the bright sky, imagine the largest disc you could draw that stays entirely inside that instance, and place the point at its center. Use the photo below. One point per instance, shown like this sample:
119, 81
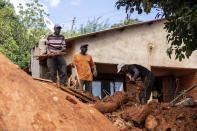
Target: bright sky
63, 11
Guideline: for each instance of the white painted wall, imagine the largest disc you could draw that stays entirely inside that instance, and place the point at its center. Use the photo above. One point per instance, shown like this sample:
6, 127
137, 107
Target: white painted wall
38, 50
132, 46
35, 67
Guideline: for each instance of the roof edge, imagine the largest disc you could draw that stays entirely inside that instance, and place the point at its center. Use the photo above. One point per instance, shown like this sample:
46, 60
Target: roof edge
112, 29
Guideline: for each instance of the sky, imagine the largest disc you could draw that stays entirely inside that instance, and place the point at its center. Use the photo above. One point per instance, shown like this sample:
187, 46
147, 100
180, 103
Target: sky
63, 11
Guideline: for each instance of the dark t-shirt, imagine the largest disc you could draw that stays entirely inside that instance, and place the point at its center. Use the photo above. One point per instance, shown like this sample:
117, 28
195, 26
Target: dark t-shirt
143, 72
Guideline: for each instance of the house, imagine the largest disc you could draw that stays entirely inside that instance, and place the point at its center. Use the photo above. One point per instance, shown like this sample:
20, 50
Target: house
143, 43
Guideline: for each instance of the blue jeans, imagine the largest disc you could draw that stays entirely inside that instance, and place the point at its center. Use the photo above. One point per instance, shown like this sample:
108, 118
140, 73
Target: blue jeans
57, 63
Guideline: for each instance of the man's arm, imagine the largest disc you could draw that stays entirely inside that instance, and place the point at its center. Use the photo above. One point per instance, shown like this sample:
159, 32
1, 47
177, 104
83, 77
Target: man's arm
94, 71
93, 67
136, 73
63, 44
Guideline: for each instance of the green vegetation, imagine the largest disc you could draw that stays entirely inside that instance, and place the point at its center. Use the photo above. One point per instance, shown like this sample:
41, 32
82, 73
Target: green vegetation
126, 22
93, 26
19, 33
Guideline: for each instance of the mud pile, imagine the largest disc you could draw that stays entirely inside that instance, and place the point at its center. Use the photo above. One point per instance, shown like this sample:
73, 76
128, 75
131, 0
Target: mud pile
156, 116
115, 102
29, 105
125, 113
120, 99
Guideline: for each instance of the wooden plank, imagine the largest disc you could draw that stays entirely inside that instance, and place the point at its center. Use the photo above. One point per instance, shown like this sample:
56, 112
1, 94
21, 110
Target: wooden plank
189, 89
80, 86
51, 54
75, 94
70, 90
81, 93
45, 80
44, 56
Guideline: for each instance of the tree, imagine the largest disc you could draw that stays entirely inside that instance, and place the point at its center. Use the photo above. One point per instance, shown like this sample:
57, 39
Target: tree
181, 22
19, 33
93, 26
8, 24
31, 27
69, 33
126, 22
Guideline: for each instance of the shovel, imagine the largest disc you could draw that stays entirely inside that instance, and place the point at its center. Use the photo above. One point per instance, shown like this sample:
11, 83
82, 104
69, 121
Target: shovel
80, 86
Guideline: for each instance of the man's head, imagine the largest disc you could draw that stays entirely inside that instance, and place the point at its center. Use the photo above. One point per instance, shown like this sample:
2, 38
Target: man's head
84, 48
121, 67
57, 29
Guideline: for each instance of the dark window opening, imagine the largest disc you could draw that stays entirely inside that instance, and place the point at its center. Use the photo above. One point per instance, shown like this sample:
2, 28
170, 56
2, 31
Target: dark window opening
107, 81
170, 81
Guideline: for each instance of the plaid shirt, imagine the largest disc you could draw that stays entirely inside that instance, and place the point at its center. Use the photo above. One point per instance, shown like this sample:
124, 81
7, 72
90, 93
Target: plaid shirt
55, 43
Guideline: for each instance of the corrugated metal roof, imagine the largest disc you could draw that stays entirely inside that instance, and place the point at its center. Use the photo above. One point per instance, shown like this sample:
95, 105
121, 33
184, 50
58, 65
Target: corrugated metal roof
112, 29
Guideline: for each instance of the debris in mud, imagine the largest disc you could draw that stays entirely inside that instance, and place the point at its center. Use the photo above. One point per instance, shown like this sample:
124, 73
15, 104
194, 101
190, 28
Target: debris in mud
115, 102
151, 122
71, 100
125, 112
156, 116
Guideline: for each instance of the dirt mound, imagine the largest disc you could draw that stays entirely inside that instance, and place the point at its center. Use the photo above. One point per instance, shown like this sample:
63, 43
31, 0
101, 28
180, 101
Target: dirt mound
156, 116
27, 104
113, 103
128, 115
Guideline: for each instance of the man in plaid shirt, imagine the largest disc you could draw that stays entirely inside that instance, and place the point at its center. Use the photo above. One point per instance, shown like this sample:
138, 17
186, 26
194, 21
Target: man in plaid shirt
56, 44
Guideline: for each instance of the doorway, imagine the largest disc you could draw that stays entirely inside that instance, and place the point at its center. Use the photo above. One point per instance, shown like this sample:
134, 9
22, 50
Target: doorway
168, 81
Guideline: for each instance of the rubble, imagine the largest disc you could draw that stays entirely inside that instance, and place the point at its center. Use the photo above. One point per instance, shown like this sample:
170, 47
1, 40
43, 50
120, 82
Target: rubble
110, 104
128, 115
151, 122
125, 112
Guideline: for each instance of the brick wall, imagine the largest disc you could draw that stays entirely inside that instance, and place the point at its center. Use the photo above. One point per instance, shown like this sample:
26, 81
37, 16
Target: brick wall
188, 81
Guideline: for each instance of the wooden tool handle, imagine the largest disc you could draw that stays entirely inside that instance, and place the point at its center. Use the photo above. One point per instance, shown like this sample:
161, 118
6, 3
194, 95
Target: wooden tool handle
80, 86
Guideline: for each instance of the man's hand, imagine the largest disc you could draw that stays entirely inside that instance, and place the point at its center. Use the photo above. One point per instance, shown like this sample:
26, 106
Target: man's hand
48, 51
130, 77
63, 47
94, 72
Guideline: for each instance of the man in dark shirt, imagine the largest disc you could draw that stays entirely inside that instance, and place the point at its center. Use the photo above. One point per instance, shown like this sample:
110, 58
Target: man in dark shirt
147, 78
56, 44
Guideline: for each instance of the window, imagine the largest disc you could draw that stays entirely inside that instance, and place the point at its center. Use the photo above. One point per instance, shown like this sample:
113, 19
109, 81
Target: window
98, 90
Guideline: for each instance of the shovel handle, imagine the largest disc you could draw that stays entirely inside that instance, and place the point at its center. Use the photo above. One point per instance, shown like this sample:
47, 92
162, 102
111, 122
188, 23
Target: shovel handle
80, 86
